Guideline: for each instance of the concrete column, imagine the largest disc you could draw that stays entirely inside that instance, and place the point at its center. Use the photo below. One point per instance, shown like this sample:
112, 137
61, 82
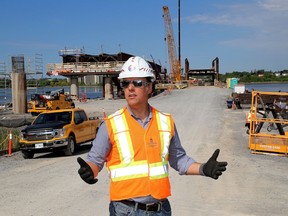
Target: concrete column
108, 88
19, 93
74, 88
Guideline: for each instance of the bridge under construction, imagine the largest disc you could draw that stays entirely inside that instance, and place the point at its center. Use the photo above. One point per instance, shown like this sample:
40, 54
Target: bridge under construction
76, 64
106, 68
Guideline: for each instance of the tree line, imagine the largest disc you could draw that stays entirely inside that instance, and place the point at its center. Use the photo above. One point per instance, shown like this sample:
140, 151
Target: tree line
39, 82
256, 76
243, 77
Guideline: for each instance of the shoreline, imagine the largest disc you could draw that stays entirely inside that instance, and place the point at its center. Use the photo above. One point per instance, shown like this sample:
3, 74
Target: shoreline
268, 82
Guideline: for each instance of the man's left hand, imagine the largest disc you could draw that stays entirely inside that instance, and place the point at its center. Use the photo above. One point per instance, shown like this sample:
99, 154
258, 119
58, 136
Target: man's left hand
213, 168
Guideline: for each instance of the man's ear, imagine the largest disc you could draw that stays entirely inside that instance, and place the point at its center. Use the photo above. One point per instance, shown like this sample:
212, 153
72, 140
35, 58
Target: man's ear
149, 88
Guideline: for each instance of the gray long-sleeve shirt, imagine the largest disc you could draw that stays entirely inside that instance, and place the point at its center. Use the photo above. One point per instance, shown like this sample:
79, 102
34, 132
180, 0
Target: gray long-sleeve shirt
101, 147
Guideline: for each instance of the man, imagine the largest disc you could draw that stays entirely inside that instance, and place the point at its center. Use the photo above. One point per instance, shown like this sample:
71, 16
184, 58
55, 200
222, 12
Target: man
137, 143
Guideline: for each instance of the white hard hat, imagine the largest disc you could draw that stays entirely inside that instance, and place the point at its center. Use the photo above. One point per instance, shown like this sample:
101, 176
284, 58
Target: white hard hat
136, 67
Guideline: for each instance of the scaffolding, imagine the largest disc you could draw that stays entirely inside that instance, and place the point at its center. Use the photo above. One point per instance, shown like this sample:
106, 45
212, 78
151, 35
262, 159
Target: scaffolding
5, 85
75, 51
34, 71
4, 76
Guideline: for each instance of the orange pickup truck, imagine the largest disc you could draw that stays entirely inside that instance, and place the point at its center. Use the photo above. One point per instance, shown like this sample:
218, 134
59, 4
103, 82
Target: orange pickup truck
58, 130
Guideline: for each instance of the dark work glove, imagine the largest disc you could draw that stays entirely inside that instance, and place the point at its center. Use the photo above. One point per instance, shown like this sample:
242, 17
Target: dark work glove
213, 168
86, 172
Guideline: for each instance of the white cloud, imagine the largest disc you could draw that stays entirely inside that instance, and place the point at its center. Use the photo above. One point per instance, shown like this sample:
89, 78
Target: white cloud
274, 5
264, 21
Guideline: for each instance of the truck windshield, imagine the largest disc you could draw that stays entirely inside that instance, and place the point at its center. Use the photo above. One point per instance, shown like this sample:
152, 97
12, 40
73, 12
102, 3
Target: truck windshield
53, 117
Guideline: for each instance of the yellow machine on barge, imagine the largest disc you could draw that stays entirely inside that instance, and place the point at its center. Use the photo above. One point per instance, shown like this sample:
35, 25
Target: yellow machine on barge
51, 101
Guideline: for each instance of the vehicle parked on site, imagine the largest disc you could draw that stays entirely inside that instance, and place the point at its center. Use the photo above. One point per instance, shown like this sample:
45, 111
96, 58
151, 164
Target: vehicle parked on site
50, 101
58, 130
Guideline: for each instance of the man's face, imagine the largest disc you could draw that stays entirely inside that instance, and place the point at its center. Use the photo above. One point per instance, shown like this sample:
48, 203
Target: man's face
136, 91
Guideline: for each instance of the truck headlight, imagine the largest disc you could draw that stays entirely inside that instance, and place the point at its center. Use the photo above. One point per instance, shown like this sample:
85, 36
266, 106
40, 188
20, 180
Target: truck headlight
59, 132
23, 136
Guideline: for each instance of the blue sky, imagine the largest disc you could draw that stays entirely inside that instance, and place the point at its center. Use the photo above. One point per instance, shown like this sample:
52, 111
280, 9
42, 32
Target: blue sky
244, 34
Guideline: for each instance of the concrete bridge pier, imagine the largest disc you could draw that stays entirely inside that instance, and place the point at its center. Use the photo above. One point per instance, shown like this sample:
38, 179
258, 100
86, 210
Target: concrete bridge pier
19, 93
108, 88
74, 87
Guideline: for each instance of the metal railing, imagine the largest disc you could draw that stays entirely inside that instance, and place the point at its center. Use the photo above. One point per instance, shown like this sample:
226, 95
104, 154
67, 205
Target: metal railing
85, 67
272, 116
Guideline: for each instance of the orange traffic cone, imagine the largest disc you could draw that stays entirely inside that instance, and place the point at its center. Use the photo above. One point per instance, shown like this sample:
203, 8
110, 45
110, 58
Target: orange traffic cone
233, 106
10, 144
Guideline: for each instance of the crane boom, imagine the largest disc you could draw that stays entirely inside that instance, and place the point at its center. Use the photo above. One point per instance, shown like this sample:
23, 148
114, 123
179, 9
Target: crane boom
174, 63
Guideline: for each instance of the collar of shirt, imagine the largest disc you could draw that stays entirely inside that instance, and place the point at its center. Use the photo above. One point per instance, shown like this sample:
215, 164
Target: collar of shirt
147, 120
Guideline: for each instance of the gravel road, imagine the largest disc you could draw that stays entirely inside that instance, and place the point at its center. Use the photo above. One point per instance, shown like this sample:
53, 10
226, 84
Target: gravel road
49, 184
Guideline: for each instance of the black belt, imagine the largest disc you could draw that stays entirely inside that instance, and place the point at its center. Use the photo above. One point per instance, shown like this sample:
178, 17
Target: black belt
146, 207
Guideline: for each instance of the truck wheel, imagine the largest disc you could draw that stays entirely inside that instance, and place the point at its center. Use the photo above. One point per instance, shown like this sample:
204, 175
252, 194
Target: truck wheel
27, 155
70, 147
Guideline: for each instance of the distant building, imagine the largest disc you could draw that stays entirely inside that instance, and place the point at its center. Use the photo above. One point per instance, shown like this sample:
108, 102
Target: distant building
277, 74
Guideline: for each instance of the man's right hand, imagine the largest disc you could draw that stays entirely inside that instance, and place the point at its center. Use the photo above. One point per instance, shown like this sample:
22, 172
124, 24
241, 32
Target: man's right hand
86, 172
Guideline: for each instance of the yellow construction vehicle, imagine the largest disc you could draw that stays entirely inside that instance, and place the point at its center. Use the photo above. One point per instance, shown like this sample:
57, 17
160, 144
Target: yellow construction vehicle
54, 100
268, 110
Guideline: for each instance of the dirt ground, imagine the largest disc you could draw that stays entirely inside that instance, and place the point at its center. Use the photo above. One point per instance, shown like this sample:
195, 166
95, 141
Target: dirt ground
252, 185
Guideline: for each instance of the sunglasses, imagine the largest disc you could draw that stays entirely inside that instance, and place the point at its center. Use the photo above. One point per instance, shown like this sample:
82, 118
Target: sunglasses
136, 83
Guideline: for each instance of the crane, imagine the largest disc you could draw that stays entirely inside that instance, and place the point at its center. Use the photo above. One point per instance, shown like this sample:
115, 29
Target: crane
174, 62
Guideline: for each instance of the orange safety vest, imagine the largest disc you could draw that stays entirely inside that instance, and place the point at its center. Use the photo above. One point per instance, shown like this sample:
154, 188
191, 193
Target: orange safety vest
138, 161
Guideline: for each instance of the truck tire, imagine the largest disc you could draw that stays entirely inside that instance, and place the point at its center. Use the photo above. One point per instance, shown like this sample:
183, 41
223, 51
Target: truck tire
71, 146
27, 155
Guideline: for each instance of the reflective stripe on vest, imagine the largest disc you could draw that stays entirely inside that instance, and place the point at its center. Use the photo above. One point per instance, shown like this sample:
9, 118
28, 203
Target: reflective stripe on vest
164, 124
158, 170
128, 168
119, 125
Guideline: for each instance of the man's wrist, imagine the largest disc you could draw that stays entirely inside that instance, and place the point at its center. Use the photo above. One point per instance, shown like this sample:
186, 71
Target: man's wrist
201, 172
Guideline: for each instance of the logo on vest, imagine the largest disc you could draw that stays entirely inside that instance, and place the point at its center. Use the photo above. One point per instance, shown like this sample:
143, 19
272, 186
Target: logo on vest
152, 143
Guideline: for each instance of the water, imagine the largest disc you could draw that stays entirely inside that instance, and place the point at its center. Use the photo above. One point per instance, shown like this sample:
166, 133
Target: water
267, 87
92, 92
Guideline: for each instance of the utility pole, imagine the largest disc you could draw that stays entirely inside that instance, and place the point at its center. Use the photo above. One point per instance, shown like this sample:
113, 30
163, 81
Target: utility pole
179, 44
